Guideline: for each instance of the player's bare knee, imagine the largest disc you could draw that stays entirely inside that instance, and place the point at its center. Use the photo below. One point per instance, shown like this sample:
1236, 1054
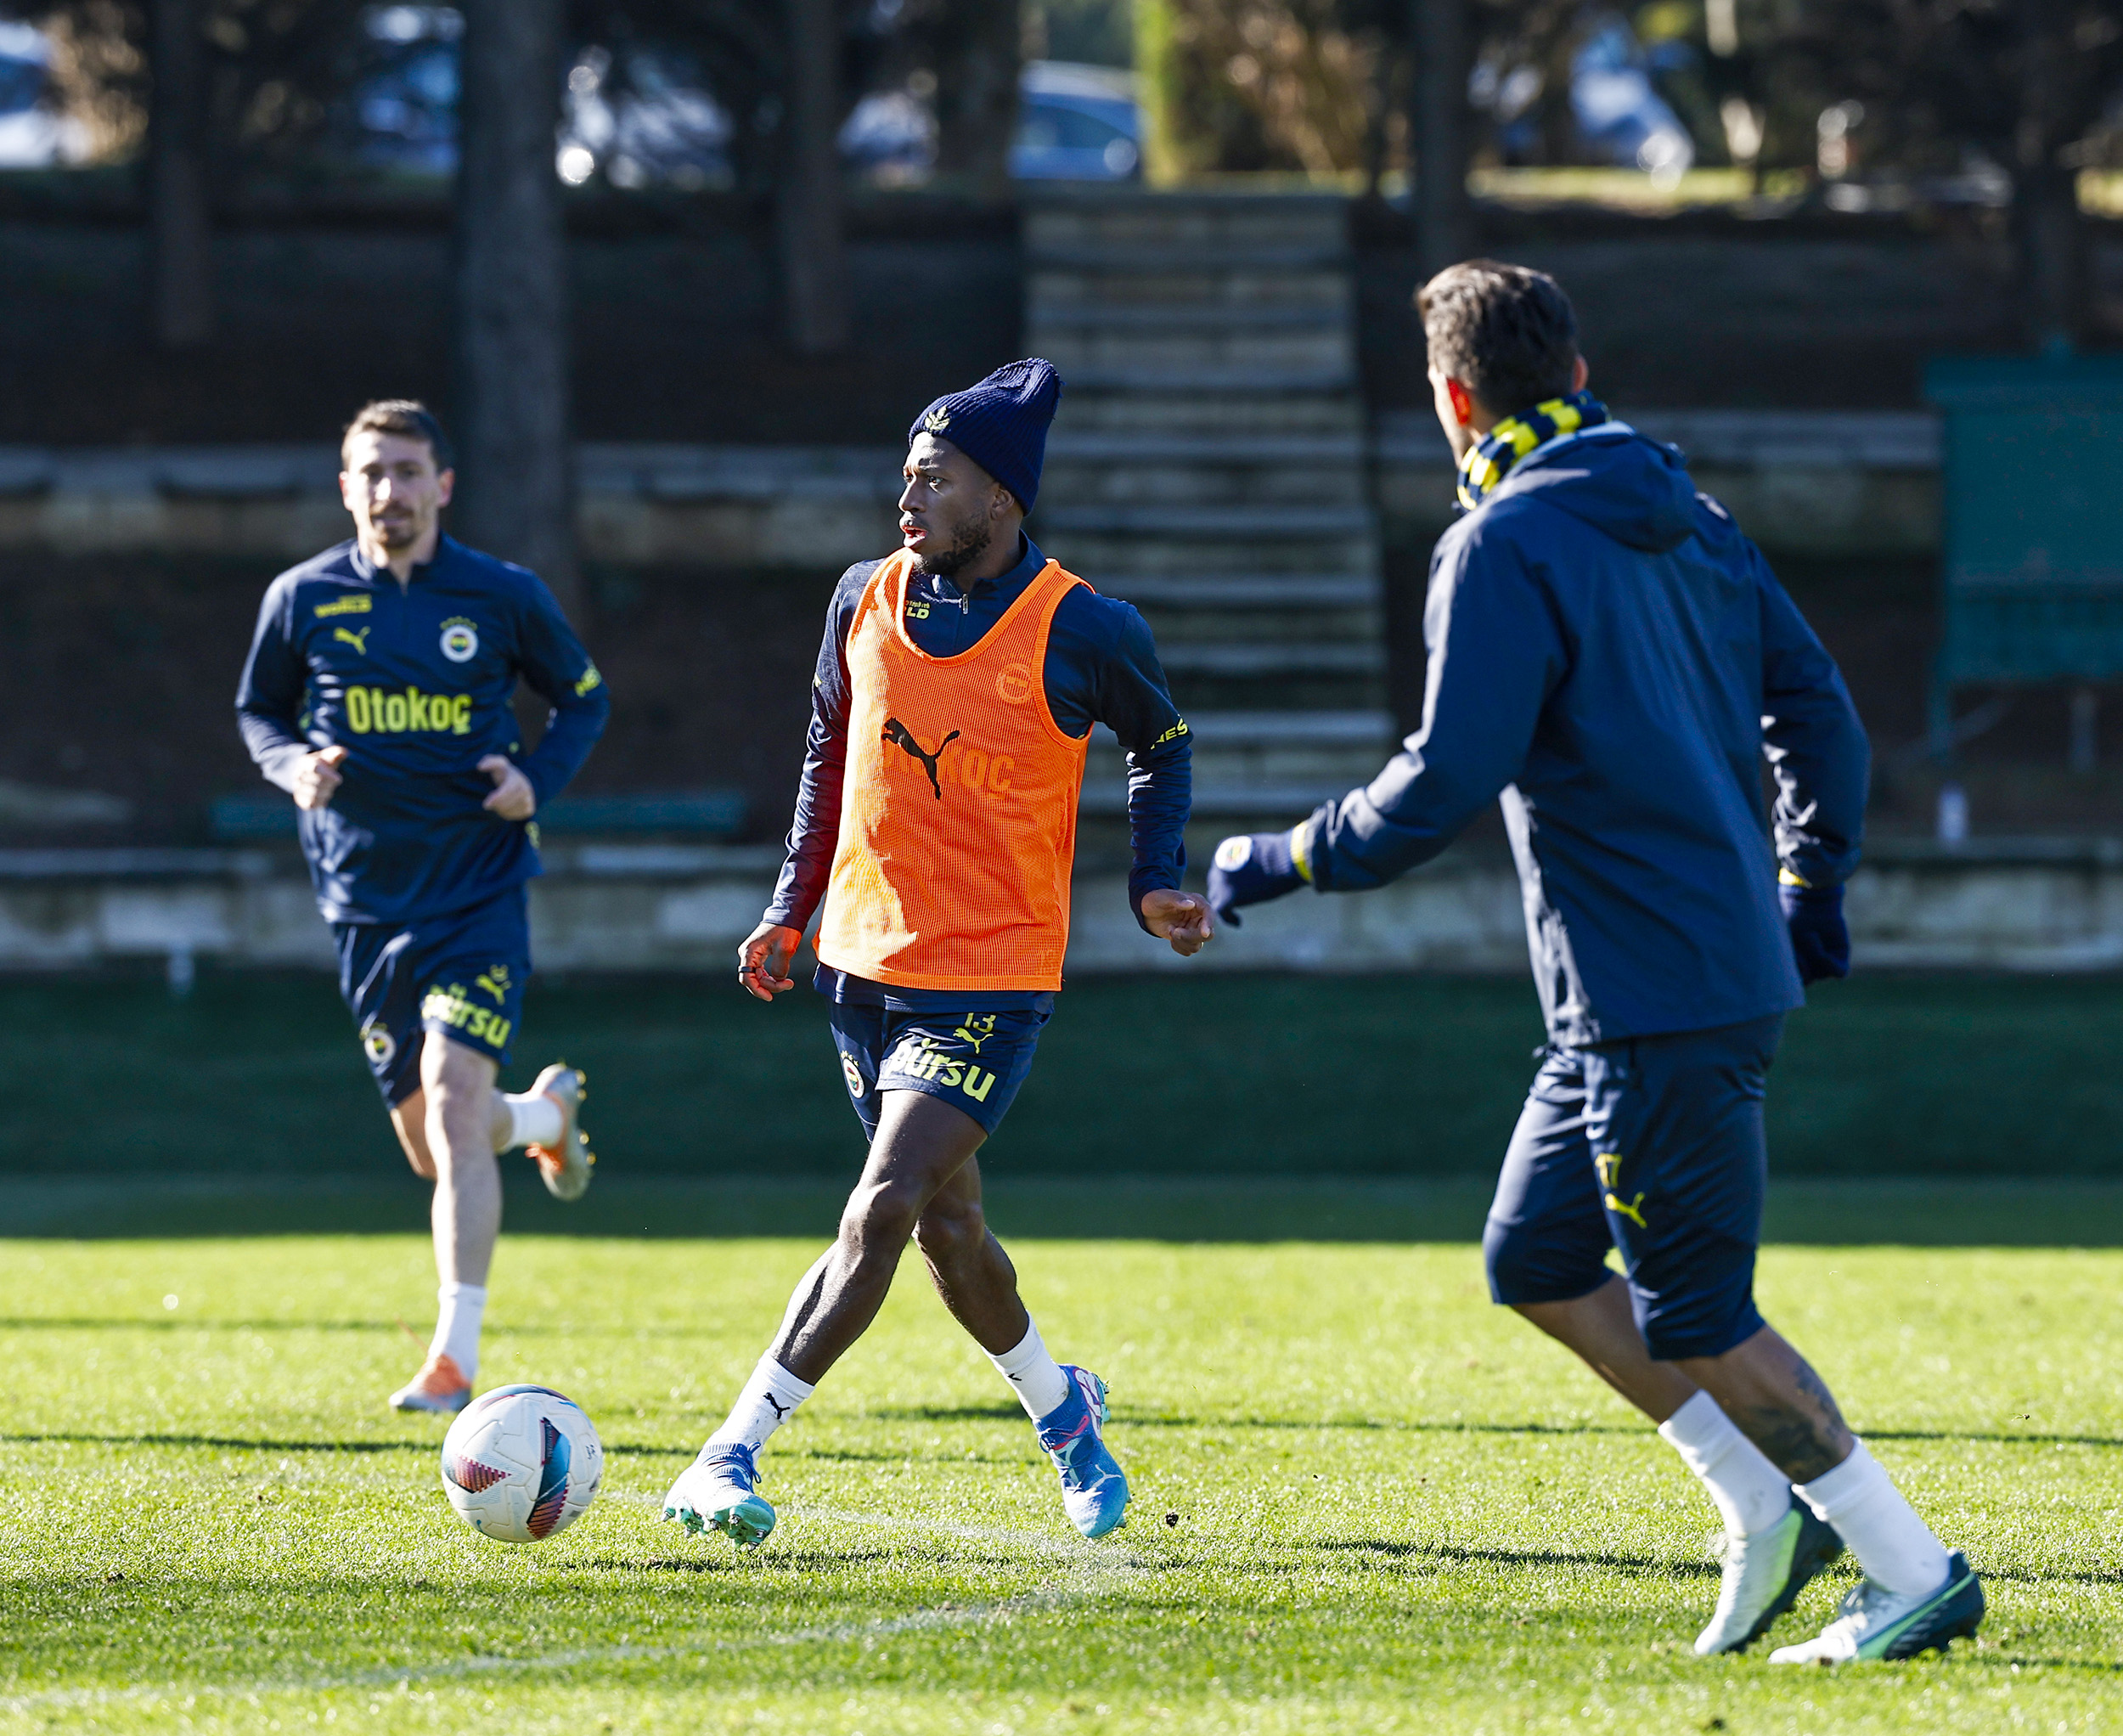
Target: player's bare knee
947, 1235
879, 1219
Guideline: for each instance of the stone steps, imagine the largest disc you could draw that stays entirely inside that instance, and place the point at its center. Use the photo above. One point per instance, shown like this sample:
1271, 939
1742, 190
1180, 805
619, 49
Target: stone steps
1209, 465
1250, 480
1273, 766
1250, 410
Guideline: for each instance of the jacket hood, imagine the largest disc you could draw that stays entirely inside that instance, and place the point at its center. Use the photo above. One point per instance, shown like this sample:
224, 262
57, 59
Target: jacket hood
1637, 491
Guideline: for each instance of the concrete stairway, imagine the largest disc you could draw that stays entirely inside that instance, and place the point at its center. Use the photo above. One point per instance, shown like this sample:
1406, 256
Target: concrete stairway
1209, 465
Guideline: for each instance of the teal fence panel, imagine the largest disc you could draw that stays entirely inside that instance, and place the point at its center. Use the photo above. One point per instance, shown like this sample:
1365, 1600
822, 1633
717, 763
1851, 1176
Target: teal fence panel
2034, 521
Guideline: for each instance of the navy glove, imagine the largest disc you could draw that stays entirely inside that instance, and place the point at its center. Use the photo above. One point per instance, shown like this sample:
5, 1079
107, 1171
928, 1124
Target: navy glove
1250, 869
1819, 942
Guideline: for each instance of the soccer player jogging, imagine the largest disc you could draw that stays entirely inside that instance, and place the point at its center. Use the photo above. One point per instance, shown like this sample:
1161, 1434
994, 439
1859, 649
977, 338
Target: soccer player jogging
1610, 656
952, 709
378, 693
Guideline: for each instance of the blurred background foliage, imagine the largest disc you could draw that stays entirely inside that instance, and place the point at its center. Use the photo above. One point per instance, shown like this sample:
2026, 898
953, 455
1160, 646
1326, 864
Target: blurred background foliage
2009, 112
1921, 98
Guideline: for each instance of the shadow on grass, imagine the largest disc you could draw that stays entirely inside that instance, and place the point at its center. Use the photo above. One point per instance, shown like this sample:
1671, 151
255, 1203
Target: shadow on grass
1956, 1213
228, 1442
2035, 1577
58, 1322
1992, 1439
215, 1323
1636, 1566
1391, 1425
1125, 1418
947, 1413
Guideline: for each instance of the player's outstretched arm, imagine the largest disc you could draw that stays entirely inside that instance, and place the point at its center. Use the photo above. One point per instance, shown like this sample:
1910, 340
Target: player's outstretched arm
1180, 918
1254, 867
763, 962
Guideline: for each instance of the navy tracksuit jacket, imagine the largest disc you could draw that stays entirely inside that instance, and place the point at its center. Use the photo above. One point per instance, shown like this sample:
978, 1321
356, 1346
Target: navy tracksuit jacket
1612, 656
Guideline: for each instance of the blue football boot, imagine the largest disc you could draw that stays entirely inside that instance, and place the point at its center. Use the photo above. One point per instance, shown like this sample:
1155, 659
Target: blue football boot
1874, 1622
1093, 1488
719, 1490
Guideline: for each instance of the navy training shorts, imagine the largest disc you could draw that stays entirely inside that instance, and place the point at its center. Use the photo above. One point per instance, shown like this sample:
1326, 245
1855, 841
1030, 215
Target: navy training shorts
975, 1062
461, 973
1654, 1147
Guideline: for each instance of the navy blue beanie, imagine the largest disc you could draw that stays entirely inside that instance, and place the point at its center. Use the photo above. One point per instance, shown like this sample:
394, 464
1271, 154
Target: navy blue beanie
1001, 424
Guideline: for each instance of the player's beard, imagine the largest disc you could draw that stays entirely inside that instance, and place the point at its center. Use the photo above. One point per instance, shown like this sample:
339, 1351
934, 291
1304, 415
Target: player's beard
396, 534
973, 540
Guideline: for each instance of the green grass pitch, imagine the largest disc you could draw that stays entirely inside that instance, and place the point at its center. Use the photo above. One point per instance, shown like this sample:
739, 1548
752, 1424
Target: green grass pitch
1365, 1501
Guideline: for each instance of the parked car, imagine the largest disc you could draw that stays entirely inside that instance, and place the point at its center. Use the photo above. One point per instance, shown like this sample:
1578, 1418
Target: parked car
1618, 115
404, 106
643, 120
31, 135
640, 119
1074, 123
1615, 108
1077, 123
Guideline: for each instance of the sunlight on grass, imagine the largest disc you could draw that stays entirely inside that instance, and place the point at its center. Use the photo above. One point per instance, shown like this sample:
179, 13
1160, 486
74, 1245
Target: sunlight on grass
1364, 1500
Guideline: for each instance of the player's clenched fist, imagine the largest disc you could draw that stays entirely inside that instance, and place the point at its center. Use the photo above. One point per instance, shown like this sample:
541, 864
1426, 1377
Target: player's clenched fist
1180, 918
1252, 869
513, 798
316, 777
763, 962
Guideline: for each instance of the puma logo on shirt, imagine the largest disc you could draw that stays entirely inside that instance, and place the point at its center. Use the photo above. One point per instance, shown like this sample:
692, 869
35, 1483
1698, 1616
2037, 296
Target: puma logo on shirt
900, 736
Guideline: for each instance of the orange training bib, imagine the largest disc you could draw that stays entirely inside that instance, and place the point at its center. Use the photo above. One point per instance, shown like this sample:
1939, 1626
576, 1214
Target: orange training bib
958, 816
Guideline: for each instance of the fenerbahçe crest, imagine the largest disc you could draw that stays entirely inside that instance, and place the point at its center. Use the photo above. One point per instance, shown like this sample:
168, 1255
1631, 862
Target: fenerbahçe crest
460, 640
382, 1047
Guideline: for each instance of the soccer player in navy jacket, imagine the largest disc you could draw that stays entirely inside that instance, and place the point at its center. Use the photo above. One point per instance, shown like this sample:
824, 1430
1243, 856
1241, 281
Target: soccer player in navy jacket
1614, 659
379, 694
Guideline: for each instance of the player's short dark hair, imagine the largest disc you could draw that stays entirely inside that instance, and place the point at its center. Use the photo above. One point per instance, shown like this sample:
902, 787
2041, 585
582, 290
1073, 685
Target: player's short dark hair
1506, 333
406, 416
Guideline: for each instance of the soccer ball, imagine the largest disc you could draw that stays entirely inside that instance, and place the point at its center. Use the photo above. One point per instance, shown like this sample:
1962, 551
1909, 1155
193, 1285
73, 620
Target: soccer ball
521, 1464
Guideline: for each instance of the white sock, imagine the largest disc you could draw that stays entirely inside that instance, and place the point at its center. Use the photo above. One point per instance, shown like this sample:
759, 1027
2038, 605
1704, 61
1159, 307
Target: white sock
1751, 1494
457, 1325
1895, 1549
769, 1399
534, 1120
1036, 1376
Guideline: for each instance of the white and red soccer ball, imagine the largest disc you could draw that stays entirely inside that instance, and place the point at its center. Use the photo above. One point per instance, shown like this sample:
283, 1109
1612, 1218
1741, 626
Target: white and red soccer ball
521, 1464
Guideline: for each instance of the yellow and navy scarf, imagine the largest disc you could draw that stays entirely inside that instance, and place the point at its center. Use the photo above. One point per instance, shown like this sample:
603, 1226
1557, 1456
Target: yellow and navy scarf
1490, 458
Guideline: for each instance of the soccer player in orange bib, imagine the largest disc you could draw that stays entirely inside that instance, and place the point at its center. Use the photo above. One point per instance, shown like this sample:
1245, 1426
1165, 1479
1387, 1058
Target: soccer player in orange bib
952, 709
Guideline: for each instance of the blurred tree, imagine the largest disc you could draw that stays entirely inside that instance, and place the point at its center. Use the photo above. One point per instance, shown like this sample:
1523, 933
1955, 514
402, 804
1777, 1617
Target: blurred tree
99, 71
516, 495
1444, 57
180, 222
742, 52
1235, 85
1096, 32
814, 257
1918, 93
978, 55
964, 56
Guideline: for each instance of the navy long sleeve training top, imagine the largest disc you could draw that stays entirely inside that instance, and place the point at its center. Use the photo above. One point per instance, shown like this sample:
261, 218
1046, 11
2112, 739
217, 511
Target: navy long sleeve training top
417, 683
1614, 658
1101, 667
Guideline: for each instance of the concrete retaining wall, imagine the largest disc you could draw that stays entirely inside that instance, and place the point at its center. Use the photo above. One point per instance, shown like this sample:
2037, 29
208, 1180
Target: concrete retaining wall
1829, 484
637, 505
2031, 906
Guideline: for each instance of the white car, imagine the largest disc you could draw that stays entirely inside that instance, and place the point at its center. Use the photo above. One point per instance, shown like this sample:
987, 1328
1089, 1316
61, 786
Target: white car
33, 136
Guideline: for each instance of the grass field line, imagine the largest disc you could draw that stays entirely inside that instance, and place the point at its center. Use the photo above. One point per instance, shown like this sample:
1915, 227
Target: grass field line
1096, 1569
